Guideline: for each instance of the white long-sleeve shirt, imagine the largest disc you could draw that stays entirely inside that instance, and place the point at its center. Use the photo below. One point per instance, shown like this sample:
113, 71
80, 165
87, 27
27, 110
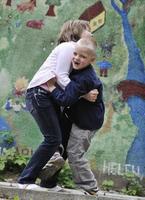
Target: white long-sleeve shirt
57, 64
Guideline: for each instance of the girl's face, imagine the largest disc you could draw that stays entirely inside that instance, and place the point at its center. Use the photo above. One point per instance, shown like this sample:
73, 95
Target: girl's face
81, 58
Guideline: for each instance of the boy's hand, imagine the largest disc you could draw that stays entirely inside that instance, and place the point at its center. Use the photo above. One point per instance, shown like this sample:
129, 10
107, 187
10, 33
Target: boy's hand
92, 95
51, 84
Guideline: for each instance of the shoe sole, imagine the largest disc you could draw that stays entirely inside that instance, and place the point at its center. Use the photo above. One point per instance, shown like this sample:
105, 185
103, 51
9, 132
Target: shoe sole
50, 169
92, 193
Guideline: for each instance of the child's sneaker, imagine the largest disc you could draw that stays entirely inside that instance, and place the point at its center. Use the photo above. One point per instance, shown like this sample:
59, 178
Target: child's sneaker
31, 187
93, 192
53, 165
57, 158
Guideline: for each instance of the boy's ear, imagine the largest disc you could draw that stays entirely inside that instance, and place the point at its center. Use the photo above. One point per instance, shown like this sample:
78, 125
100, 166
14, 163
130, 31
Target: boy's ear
93, 60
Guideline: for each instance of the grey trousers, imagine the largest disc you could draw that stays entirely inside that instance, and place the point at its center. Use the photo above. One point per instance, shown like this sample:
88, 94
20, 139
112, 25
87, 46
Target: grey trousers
78, 144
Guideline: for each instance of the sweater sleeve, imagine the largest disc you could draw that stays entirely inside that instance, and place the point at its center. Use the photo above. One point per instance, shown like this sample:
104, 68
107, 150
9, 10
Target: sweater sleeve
63, 64
70, 95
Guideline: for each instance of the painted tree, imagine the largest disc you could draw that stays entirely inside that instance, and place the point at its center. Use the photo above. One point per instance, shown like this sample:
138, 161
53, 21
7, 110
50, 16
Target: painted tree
9, 2
34, 2
52, 4
135, 72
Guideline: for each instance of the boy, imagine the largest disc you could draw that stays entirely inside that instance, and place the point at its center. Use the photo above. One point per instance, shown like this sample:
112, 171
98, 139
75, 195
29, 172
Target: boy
86, 117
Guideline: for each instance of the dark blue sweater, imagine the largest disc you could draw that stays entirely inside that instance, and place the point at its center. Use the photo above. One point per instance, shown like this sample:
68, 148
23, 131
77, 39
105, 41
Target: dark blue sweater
86, 115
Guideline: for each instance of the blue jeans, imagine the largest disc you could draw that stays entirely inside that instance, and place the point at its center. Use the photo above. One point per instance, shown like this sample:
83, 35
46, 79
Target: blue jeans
47, 115
66, 125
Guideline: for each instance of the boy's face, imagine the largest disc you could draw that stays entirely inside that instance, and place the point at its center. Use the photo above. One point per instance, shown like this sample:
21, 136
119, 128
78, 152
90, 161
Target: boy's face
81, 58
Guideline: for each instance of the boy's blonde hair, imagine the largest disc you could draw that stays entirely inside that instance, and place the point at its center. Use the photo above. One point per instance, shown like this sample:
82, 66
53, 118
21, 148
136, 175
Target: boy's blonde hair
72, 30
89, 44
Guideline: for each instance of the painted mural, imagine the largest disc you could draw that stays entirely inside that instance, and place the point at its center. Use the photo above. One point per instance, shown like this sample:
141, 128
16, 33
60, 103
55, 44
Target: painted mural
28, 32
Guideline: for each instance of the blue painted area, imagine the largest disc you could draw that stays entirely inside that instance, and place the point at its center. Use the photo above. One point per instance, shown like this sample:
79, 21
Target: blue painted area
4, 126
136, 71
6, 139
8, 104
104, 64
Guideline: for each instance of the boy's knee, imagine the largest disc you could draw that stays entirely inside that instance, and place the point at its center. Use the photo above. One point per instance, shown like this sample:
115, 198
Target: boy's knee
73, 156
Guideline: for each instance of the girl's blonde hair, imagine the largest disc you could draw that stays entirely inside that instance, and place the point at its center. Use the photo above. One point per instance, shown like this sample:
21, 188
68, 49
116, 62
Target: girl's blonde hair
72, 30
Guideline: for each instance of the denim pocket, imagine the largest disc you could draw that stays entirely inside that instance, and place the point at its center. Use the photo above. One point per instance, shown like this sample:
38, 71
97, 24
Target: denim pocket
42, 99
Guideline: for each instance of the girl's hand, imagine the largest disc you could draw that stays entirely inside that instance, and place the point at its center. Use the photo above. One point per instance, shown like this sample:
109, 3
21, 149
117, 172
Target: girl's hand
91, 96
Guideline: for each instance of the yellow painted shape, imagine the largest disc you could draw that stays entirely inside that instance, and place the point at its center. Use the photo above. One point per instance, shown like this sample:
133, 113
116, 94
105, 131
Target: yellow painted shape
98, 21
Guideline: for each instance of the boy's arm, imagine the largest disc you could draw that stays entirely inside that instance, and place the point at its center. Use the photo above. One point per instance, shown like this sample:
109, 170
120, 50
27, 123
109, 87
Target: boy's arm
70, 95
91, 96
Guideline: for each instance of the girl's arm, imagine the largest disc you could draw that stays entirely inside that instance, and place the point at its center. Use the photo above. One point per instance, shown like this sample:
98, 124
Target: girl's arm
63, 64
